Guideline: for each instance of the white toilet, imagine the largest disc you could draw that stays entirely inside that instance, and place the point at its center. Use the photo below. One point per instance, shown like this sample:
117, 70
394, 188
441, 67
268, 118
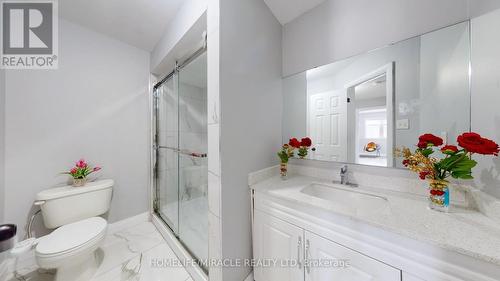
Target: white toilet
71, 248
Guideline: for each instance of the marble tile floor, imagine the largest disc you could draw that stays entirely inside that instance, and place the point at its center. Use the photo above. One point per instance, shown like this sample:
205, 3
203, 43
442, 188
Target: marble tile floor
193, 224
137, 253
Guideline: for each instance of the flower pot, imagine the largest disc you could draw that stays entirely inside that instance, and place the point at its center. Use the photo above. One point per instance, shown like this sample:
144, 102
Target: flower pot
79, 182
439, 195
284, 170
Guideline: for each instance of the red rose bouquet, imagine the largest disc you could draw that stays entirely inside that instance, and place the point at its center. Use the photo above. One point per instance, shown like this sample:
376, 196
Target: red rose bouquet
288, 151
456, 162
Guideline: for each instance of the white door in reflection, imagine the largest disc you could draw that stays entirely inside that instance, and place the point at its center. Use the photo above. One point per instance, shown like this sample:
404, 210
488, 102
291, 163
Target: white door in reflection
327, 125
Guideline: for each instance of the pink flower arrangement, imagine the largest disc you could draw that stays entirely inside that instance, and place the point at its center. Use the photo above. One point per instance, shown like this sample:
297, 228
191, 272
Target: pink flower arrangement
81, 170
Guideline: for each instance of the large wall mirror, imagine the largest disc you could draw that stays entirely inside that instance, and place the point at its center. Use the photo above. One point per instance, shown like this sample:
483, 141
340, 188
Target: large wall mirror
360, 109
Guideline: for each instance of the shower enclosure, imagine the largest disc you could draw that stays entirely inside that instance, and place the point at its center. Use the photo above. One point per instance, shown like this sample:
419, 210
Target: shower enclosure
180, 141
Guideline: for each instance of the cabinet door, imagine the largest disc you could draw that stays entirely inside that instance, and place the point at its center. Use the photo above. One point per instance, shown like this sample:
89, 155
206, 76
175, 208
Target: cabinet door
277, 240
321, 255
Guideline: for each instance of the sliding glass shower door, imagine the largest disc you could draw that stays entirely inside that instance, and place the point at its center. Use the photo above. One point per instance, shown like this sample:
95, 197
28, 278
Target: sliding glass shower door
167, 143
181, 166
193, 165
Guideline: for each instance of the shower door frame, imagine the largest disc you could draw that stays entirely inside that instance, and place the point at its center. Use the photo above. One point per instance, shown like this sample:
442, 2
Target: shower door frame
161, 222
156, 151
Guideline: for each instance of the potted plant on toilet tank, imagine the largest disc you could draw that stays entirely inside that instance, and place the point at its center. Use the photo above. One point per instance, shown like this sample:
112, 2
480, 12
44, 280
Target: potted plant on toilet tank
80, 172
456, 162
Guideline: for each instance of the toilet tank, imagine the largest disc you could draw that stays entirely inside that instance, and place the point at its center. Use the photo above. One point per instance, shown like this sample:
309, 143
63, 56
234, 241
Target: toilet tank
67, 204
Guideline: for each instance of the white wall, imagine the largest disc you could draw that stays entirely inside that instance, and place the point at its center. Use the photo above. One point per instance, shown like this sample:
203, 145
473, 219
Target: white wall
486, 95
251, 106
94, 106
2, 145
338, 29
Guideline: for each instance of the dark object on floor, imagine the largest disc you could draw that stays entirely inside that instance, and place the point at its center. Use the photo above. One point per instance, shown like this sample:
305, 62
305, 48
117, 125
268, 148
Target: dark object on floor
7, 236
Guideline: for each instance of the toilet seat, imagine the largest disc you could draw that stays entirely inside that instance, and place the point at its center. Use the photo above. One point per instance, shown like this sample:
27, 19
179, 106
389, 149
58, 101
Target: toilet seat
70, 238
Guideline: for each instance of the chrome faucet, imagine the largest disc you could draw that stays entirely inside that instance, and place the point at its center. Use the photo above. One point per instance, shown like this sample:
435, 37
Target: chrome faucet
344, 176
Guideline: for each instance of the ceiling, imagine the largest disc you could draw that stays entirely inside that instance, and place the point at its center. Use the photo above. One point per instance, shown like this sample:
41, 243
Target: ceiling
138, 23
287, 10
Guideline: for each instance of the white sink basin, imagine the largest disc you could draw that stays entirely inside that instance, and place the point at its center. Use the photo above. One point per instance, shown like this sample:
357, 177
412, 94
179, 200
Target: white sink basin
351, 201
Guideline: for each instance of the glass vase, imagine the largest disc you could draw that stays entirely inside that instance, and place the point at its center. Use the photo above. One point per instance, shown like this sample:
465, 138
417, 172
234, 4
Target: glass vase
284, 170
439, 195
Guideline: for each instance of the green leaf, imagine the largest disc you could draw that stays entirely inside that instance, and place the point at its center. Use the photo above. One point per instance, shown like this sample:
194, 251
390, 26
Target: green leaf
426, 152
283, 155
444, 163
464, 164
449, 152
462, 175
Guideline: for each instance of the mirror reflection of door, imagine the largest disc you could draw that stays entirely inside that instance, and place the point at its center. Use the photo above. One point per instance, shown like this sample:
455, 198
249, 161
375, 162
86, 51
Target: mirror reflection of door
327, 125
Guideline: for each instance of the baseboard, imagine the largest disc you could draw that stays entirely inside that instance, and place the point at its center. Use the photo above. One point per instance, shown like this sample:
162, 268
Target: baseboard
128, 222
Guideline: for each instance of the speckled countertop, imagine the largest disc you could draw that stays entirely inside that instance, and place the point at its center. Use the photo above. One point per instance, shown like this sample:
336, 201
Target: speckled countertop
468, 232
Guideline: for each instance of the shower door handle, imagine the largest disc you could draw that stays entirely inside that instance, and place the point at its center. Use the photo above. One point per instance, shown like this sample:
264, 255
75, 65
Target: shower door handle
185, 152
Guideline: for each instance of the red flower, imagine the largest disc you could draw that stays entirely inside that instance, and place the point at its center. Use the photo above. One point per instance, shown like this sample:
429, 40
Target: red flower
430, 139
406, 162
474, 143
81, 164
422, 144
449, 149
437, 192
306, 142
423, 175
73, 171
294, 143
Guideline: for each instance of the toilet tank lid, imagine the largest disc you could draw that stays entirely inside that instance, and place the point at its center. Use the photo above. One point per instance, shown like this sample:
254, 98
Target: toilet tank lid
64, 191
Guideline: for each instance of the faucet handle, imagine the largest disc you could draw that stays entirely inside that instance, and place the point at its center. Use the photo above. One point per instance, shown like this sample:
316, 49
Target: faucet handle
343, 170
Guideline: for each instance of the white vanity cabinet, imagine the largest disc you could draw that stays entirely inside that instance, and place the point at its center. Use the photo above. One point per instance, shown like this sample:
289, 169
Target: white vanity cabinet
275, 239
302, 255
287, 231
359, 266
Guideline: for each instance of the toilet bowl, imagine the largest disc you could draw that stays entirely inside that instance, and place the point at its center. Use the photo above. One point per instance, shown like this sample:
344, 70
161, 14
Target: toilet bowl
73, 213
71, 249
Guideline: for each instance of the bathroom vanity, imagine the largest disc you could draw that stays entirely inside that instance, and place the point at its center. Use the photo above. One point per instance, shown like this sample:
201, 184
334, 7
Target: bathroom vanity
319, 230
